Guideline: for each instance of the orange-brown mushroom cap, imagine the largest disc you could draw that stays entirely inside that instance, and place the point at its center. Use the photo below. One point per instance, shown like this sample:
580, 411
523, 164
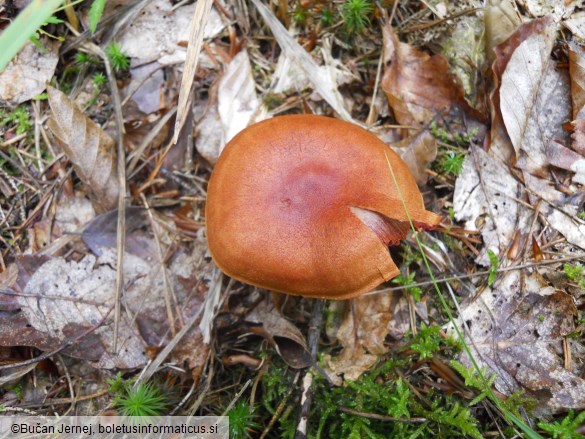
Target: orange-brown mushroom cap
307, 205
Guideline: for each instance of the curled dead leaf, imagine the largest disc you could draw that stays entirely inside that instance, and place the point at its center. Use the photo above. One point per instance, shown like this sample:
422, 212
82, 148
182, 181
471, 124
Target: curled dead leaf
280, 333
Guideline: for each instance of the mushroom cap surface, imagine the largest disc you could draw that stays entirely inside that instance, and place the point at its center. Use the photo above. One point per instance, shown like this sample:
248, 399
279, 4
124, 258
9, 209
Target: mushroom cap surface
307, 205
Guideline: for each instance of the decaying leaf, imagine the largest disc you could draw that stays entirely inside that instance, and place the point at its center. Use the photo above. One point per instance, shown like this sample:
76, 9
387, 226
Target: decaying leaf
280, 333
417, 85
367, 322
54, 302
28, 73
90, 149
160, 31
517, 328
534, 104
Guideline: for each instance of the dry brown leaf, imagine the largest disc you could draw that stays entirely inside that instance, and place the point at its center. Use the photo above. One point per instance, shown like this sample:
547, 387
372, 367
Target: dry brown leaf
579, 136
418, 152
517, 328
577, 72
28, 73
418, 86
367, 322
285, 337
91, 151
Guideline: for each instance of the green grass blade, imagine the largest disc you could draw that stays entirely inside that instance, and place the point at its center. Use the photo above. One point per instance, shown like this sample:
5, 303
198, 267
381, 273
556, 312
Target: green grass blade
493, 398
95, 14
23, 26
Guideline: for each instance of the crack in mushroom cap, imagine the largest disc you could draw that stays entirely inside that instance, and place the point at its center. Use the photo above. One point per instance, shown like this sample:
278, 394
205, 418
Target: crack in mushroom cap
306, 205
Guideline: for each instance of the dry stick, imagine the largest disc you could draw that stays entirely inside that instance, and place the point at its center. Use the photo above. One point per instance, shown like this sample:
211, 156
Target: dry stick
195, 41
382, 417
313, 340
61, 401
121, 224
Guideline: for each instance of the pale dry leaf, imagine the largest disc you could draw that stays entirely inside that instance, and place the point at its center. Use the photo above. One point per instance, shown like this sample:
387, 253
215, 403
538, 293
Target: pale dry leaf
554, 8
534, 100
62, 299
237, 107
418, 152
577, 72
322, 80
91, 151
237, 101
486, 197
210, 136
501, 20
500, 145
160, 32
289, 77
419, 86
72, 213
517, 328
559, 210
576, 24
28, 73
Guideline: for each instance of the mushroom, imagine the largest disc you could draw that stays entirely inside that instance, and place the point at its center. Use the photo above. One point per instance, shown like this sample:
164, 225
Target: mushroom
307, 205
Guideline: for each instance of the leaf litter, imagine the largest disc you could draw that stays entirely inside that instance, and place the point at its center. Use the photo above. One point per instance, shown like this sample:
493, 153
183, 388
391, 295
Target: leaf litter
518, 328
